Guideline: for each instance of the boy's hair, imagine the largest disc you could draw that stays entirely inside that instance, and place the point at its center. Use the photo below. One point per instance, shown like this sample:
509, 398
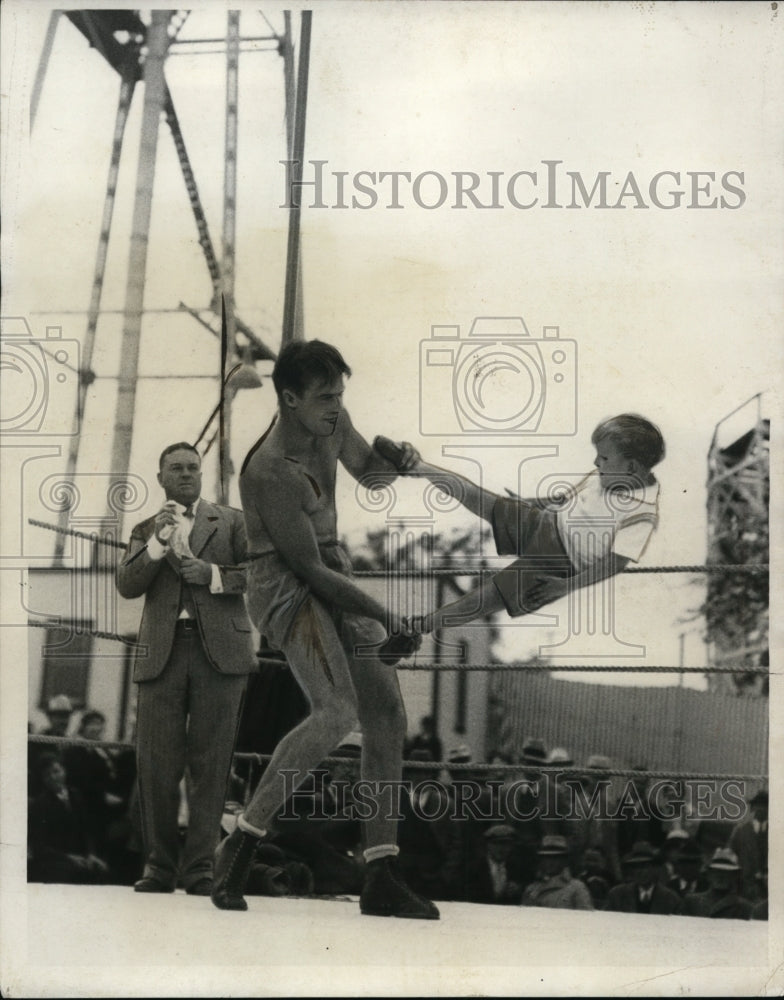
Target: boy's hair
179, 446
303, 362
636, 437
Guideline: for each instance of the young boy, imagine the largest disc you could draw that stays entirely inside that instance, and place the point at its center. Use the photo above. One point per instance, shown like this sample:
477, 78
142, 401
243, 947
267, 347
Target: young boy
600, 525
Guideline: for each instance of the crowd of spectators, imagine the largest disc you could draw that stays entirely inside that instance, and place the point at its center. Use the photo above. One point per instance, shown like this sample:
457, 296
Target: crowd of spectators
506, 834
82, 809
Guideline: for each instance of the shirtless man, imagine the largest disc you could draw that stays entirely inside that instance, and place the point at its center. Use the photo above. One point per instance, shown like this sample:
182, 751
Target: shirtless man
303, 601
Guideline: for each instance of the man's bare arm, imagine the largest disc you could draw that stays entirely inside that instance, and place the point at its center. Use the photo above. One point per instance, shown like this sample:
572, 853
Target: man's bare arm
361, 460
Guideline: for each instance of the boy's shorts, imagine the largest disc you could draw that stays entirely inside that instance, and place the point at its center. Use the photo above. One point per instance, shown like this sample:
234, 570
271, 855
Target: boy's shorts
523, 529
275, 596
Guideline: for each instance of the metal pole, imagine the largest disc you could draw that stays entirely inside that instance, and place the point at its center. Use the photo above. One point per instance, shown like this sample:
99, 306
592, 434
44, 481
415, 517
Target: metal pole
229, 241
297, 156
287, 51
154, 94
43, 62
85, 373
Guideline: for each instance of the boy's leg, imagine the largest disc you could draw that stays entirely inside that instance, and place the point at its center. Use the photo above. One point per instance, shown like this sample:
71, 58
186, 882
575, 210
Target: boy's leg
317, 660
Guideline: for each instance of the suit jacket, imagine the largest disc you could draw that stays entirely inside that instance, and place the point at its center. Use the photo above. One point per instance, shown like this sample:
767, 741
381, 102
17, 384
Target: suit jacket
623, 898
728, 905
752, 851
218, 536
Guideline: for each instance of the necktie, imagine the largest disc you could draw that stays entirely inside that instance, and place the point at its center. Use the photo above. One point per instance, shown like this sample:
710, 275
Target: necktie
181, 547
179, 539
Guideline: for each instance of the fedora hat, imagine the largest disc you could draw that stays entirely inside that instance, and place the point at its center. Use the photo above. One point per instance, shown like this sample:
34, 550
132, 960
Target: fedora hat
553, 845
534, 752
642, 853
724, 860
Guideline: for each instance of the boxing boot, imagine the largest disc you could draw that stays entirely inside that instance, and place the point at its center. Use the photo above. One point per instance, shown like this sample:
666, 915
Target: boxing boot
385, 894
233, 860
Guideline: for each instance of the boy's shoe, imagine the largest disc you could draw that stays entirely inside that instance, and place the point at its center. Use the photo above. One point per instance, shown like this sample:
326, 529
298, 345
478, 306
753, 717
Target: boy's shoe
233, 860
385, 894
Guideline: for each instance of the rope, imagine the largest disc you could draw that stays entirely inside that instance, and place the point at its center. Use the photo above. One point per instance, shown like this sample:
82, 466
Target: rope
433, 765
456, 570
95, 633
77, 534
271, 661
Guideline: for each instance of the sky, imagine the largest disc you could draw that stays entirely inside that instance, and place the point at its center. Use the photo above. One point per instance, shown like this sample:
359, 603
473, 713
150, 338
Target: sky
674, 313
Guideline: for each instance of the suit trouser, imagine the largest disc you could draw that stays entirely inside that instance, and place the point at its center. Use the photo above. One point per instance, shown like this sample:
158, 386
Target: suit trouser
187, 720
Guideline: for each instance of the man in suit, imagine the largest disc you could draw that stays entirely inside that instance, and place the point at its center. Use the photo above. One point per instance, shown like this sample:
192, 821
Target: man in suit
193, 657
721, 899
749, 840
642, 892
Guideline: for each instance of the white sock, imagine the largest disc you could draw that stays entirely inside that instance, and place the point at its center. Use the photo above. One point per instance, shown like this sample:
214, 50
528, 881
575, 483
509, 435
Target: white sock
381, 851
245, 826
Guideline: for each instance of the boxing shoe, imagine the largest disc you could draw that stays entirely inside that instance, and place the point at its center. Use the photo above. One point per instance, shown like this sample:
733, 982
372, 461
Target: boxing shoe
385, 894
233, 860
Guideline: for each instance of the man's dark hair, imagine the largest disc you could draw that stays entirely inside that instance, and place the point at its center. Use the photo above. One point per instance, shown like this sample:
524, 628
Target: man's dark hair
304, 362
179, 446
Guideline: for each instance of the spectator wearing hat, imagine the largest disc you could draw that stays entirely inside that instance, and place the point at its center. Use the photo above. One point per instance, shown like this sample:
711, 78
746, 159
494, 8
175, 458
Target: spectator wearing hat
749, 840
104, 778
557, 800
468, 819
425, 831
554, 886
670, 852
495, 877
60, 846
596, 877
721, 900
317, 828
522, 803
426, 738
642, 892
589, 825
688, 877
59, 710
638, 819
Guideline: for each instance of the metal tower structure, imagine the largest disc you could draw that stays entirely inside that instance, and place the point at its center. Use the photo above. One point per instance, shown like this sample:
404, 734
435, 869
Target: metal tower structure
137, 51
736, 607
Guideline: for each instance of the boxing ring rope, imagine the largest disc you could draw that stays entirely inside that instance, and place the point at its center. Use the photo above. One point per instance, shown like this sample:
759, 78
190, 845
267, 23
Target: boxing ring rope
273, 661
472, 767
730, 664
451, 570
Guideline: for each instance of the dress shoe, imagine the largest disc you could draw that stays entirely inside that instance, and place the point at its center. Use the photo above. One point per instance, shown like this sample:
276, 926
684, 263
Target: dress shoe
201, 887
149, 883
